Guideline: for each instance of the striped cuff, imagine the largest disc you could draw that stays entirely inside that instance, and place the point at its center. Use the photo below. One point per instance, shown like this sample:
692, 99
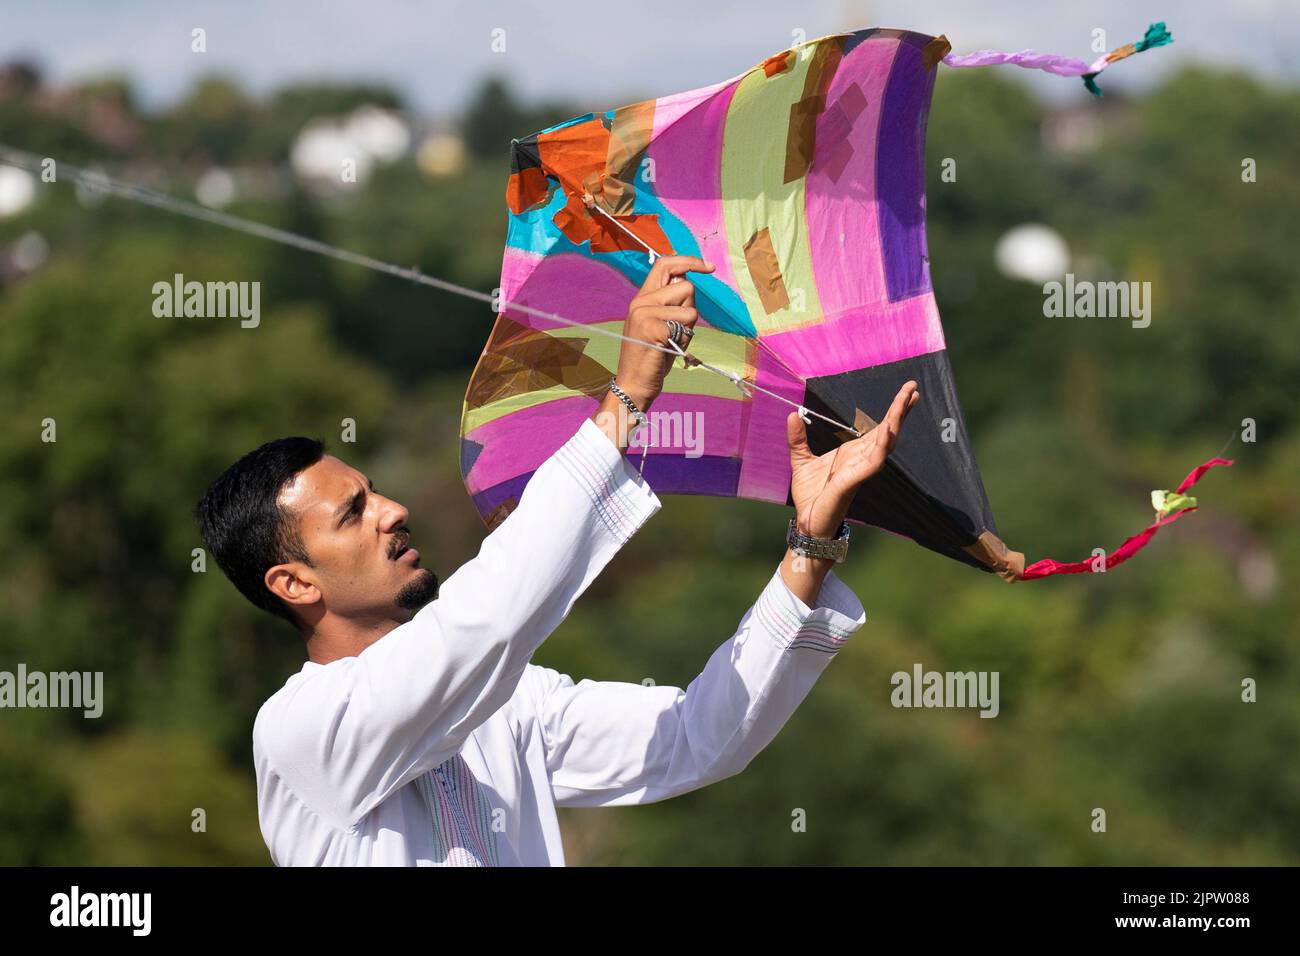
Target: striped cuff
792, 624
619, 494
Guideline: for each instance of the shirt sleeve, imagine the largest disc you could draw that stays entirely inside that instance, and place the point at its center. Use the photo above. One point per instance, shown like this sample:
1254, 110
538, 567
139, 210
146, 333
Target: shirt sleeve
613, 744
354, 731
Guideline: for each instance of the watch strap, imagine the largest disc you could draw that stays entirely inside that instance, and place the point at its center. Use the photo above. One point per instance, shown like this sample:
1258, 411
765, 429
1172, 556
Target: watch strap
807, 546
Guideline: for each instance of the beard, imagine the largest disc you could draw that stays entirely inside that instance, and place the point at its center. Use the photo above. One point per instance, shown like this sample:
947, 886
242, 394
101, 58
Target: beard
419, 591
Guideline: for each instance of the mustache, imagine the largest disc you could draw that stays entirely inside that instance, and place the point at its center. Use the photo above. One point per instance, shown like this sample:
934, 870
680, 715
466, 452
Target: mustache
399, 543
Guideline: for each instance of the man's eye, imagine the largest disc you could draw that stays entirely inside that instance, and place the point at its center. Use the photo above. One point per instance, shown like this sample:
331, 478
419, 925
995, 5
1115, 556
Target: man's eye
353, 512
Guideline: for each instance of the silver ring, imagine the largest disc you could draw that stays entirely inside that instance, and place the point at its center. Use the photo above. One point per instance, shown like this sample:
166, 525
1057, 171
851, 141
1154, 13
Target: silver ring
679, 333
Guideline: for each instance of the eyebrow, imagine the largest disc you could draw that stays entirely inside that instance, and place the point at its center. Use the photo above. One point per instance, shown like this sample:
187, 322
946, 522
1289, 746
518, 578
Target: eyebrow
345, 509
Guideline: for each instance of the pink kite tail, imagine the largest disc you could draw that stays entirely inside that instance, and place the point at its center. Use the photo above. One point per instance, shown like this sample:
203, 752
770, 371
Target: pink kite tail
1156, 35
1049, 566
1029, 59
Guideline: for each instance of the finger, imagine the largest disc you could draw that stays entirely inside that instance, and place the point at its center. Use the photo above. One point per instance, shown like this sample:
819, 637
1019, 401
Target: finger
902, 404
871, 458
666, 267
678, 293
797, 435
651, 323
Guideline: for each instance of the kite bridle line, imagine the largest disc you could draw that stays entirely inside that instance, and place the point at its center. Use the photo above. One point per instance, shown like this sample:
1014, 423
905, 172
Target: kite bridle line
159, 200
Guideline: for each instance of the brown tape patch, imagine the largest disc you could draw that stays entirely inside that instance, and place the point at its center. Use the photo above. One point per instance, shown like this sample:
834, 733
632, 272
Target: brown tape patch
990, 551
801, 137
629, 137
861, 421
765, 272
500, 513
853, 101
839, 161
520, 360
934, 51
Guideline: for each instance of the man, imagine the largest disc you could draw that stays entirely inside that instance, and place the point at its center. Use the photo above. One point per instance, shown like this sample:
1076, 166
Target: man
417, 732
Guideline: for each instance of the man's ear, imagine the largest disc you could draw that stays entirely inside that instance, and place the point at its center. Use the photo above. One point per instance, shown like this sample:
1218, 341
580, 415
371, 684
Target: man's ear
294, 584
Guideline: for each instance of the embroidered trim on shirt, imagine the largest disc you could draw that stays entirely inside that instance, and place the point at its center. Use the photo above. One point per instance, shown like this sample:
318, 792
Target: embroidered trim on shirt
461, 814
790, 630
614, 503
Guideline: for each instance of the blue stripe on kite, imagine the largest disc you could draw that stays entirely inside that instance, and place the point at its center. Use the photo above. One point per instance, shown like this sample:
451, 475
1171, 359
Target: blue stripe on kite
534, 230
718, 304
573, 122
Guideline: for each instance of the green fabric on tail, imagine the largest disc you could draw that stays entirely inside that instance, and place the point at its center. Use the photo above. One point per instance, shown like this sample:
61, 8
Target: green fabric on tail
1166, 503
1156, 35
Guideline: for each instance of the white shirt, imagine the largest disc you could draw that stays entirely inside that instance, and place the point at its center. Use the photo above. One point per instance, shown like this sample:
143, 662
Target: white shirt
343, 749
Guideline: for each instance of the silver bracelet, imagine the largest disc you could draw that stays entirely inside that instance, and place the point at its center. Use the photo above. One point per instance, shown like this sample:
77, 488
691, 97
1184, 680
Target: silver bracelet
806, 546
637, 415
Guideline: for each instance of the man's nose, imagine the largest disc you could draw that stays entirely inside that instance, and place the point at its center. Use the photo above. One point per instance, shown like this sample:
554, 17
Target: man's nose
392, 516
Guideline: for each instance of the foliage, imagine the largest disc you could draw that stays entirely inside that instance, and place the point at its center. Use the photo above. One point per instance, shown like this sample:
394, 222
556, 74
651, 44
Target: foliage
1119, 691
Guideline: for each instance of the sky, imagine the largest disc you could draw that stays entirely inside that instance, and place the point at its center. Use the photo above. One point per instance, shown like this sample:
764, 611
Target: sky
434, 52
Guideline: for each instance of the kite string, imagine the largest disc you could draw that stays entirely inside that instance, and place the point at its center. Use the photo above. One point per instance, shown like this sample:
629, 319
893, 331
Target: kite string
142, 194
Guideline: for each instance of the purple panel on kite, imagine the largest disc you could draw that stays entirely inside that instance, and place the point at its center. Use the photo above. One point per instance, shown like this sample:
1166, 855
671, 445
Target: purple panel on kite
900, 174
671, 475
487, 501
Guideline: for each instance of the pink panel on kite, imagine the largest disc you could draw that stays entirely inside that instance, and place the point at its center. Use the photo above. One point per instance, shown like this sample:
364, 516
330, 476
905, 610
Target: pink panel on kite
891, 331
841, 185
516, 266
519, 442
716, 424
765, 464
691, 126
549, 283
509, 449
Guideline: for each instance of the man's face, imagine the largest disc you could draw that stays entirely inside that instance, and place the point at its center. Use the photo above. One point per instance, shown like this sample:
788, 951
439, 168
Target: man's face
362, 567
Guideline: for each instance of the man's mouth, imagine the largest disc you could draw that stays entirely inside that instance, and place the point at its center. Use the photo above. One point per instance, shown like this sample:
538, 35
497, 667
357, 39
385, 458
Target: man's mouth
402, 549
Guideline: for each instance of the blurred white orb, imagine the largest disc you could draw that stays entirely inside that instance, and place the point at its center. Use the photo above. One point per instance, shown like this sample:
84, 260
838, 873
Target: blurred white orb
381, 133
215, 188
1032, 252
442, 155
17, 190
324, 153
29, 252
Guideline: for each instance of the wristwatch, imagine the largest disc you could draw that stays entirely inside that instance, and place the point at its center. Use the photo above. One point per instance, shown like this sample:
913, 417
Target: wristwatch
806, 546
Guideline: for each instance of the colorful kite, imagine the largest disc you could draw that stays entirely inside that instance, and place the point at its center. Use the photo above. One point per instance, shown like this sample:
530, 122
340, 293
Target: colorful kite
802, 180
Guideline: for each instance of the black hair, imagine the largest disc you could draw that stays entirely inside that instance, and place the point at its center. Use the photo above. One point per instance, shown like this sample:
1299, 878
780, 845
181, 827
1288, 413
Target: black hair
243, 525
